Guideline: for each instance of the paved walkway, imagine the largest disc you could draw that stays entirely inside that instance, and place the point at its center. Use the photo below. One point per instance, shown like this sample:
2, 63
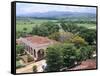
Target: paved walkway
28, 68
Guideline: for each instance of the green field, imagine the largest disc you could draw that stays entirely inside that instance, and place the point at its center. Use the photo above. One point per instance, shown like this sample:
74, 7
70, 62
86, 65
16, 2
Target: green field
89, 26
20, 27
20, 24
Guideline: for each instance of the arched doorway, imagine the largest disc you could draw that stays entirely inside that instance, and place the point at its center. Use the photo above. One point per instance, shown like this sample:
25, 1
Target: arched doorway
40, 54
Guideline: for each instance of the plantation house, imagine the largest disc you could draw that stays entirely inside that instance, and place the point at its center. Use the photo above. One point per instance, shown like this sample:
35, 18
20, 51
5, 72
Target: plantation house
35, 45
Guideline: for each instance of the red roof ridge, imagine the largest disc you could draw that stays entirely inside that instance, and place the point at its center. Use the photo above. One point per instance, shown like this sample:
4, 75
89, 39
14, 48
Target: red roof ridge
39, 39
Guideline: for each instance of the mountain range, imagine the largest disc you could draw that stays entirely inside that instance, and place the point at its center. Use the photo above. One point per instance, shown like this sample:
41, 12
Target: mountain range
60, 14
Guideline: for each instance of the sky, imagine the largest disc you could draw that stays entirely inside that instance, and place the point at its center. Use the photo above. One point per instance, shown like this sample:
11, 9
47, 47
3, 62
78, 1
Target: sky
27, 8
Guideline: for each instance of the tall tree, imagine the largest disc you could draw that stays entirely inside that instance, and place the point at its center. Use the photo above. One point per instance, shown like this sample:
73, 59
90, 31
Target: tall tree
89, 35
69, 56
54, 58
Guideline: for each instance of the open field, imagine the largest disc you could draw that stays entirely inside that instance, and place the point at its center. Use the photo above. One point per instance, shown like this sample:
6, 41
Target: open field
33, 22
20, 27
20, 24
89, 26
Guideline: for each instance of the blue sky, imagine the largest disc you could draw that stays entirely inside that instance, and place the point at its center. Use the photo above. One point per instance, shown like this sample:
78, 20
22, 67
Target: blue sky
27, 8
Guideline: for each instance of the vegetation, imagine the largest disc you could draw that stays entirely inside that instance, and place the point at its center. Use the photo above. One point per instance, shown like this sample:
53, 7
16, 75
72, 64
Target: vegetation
34, 68
54, 58
69, 55
19, 49
54, 36
19, 65
45, 29
30, 58
76, 40
65, 55
41, 31
88, 35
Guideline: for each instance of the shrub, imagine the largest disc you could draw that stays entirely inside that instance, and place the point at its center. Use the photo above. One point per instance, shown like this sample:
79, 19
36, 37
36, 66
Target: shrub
34, 68
17, 58
19, 49
19, 65
78, 41
30, 58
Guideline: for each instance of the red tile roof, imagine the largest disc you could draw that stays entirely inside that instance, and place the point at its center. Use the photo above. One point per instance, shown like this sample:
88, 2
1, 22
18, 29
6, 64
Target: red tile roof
88, 64
39, 40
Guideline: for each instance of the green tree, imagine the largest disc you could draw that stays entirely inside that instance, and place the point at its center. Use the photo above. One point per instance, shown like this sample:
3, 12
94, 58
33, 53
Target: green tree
55, 36
40, 30
45, 29
89, 35
78, 41
70, 26
24, 33
25, 29
21, 34
19, 49
18, 34
52, 27
69, 56
85, 52
54, 58
35, 30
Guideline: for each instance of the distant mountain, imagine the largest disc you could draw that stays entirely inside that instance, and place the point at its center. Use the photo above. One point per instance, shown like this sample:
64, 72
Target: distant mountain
60, 14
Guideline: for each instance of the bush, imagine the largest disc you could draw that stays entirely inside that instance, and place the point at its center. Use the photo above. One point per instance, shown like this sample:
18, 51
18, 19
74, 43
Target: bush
78, 41
17, 58
30, 58
34, 68
19, 65
19, 49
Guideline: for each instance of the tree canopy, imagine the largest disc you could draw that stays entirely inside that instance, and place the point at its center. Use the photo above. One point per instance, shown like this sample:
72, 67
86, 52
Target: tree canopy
65, 55
19, 49
54, 58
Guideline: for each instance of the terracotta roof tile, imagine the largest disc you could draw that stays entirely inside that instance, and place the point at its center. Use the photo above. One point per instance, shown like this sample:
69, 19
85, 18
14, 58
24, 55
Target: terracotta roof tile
39, 40
88, 64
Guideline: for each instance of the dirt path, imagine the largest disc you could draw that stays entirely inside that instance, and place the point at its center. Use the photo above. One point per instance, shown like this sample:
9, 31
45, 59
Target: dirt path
28, 68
